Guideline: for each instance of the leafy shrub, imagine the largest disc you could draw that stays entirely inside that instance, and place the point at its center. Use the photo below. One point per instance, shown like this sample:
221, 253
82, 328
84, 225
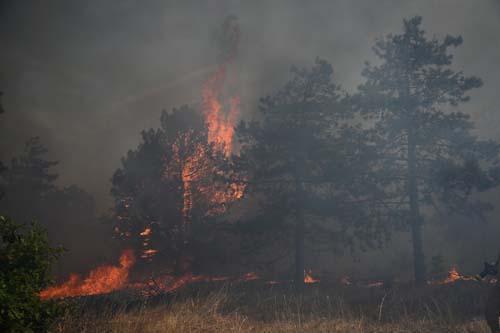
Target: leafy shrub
25, 262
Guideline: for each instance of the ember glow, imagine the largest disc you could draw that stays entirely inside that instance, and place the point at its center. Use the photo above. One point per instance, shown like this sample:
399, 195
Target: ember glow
146, 232
308, 278
454, 276
221, 108
102, 280
169, 283
147, 252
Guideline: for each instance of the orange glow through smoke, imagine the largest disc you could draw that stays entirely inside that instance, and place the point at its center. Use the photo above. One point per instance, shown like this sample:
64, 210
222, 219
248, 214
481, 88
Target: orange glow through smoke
308, 278
220, 122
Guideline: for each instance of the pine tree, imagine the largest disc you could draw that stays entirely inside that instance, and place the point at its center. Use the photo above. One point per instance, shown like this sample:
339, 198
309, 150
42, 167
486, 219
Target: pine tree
428, 154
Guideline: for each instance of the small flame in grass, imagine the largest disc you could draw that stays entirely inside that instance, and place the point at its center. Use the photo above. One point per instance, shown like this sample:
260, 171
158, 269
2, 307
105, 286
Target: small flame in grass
345, 280
249, 277
170, 283
454, 276
103, 279
308, 278
375, 284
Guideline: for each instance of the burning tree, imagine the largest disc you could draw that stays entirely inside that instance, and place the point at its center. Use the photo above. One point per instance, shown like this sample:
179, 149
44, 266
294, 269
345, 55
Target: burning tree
306, 167
171, 186
178, 178
427, 153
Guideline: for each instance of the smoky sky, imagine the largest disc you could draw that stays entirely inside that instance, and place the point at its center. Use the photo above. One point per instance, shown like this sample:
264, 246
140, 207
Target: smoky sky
88, 76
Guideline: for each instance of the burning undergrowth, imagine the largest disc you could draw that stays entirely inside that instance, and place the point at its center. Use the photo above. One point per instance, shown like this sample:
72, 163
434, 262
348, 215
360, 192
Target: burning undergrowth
177, 185
107, 279
102, 280
158, 215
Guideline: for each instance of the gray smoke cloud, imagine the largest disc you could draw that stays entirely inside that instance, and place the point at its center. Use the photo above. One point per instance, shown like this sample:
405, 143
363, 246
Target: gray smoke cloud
88, 76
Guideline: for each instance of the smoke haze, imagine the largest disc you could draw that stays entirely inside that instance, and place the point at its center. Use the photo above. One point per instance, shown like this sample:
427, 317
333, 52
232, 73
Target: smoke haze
88, 76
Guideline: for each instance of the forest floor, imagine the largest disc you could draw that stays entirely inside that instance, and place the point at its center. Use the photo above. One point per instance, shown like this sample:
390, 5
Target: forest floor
257, 308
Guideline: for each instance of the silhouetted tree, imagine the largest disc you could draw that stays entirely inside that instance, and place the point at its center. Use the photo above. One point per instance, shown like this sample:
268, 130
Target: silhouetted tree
27, 181
68, 214
304, 164
427, 151
3, 168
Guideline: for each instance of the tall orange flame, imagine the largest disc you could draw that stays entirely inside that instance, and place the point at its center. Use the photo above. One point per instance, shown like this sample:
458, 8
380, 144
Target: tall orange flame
220, 122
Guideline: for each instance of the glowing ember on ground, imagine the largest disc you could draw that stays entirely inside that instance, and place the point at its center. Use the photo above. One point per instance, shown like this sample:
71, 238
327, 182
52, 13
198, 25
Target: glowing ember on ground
345, 280
171, 283
454, 275
308, 278
249, 277
375, 284
103, 279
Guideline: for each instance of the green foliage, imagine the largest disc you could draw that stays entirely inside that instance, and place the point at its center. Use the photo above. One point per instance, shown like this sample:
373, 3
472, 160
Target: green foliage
25, 262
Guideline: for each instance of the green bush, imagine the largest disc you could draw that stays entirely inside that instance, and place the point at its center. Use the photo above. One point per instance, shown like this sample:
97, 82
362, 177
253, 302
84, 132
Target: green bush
25, 261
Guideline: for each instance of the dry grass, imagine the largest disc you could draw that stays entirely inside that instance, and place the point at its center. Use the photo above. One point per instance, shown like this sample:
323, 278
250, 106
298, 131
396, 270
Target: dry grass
255, 309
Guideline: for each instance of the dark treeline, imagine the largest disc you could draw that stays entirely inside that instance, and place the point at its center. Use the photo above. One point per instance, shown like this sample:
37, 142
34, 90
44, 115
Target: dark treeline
323, 171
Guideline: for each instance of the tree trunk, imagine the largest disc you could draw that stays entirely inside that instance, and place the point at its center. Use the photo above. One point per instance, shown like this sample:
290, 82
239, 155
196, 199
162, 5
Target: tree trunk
299, 238
415, 219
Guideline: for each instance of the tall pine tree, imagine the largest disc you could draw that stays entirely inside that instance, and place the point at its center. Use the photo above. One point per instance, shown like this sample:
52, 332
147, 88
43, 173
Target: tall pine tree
428, 154
304, 163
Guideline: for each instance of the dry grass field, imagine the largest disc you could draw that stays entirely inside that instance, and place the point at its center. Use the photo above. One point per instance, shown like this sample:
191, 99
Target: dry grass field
257, 308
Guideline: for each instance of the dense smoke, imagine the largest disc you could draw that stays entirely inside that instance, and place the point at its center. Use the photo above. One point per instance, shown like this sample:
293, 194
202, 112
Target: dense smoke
88, 76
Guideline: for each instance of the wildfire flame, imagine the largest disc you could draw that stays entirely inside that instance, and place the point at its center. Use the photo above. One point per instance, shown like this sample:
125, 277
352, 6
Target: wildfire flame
220, 122
103, 279
221, 110
146, 232
221, 113
454, 276
308, 278
171, 283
